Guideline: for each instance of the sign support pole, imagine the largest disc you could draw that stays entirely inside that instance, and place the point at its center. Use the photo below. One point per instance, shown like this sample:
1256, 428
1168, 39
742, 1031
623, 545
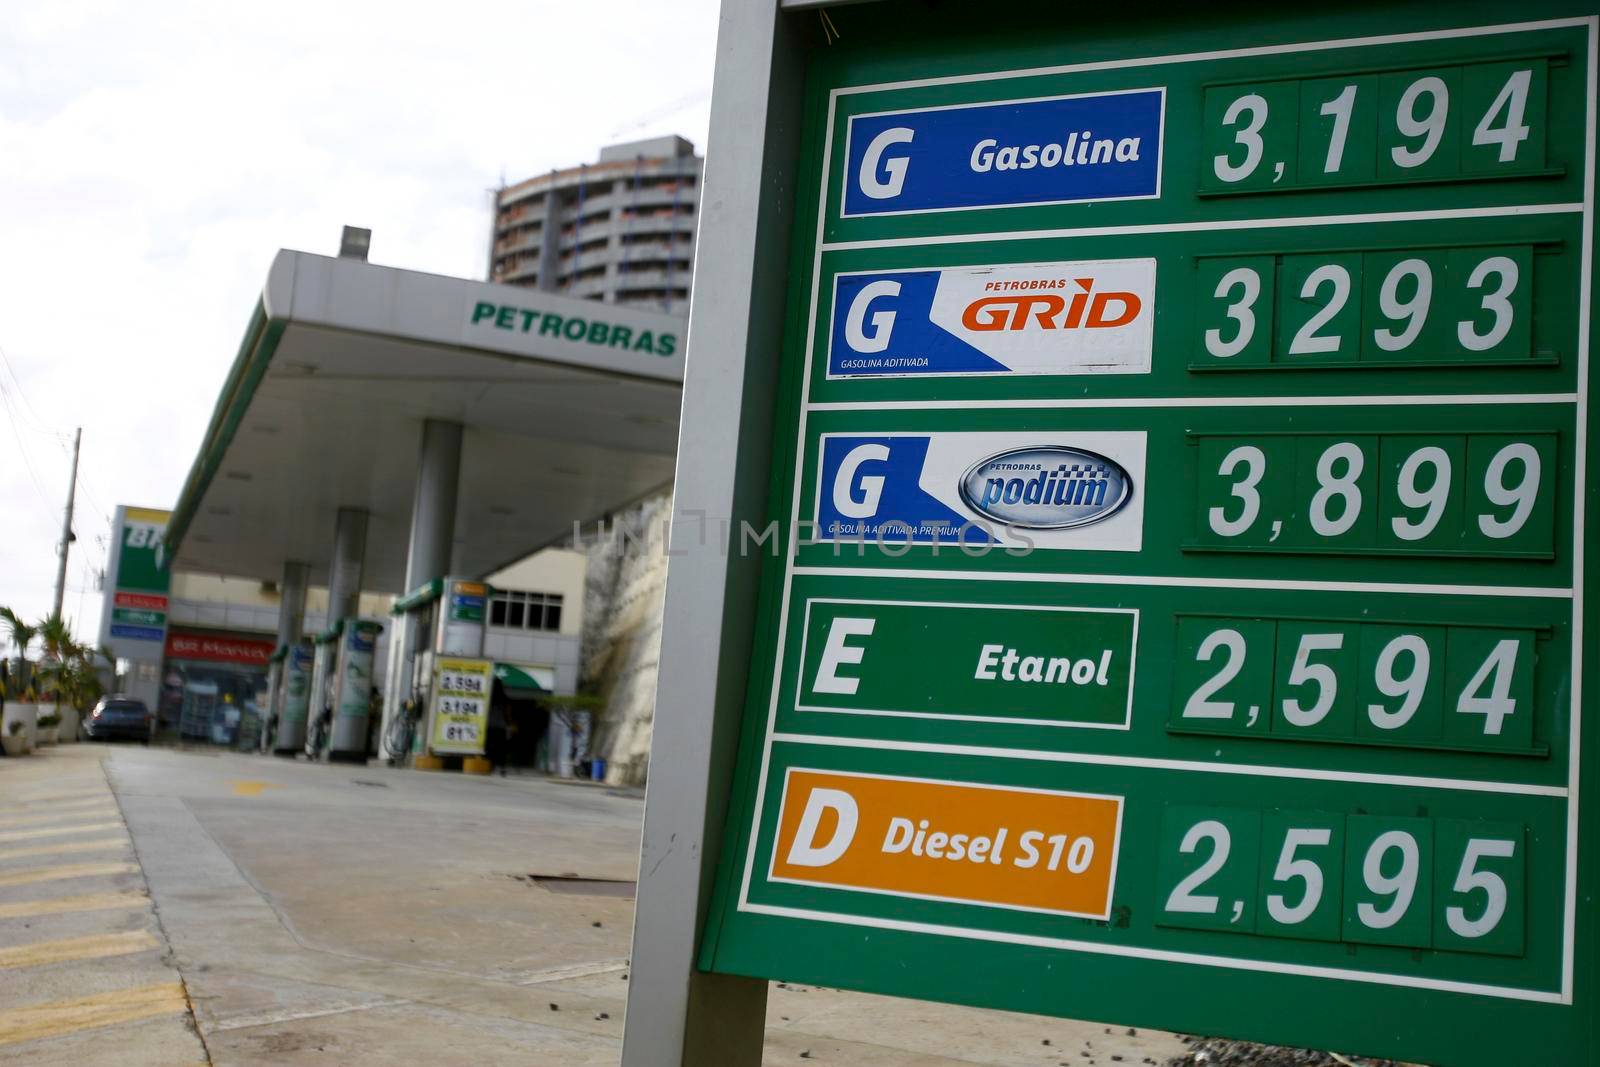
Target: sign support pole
677, 1014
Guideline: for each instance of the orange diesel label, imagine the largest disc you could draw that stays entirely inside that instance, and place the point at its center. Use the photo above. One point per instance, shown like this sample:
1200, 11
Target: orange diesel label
1036, 849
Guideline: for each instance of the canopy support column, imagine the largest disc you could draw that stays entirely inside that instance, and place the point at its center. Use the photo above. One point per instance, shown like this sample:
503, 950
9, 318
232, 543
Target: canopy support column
291, 736
349, 740
433, 507
429, 555
349, 557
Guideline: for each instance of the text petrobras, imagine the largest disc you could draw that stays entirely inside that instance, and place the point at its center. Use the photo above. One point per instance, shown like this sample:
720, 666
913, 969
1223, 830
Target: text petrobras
572, 328
1085, 317
1049, 150
1045, 490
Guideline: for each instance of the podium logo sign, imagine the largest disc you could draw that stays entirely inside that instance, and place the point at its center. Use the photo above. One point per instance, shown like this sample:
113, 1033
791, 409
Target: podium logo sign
1048, 488
1023, 491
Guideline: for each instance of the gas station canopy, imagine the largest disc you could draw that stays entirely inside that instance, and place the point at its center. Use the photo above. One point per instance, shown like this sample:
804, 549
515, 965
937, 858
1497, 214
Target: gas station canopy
570, 410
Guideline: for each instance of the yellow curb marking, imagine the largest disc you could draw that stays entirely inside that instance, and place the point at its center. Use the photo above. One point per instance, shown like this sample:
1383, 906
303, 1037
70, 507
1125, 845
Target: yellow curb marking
247, 788
108, 811
87, 828
66, 870
82, 800
59, 1017
87, 902
94, 947
25, 800
65, 846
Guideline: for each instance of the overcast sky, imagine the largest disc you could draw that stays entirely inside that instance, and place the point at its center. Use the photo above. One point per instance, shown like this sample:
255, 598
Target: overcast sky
155, 154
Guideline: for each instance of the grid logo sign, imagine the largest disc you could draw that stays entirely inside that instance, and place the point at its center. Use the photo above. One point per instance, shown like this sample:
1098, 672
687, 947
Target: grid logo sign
1207, 655
1034, 318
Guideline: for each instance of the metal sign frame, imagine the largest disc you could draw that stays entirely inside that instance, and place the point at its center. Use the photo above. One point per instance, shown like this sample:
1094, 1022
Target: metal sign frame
738, 468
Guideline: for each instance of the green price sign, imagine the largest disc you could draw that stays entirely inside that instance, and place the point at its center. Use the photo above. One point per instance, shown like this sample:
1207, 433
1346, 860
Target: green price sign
1400, 307
1359, 682
1487, 494
1182, 461
1434, 124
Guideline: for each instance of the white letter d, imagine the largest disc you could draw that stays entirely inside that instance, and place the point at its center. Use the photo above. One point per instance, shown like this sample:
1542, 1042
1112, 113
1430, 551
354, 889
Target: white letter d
804, 852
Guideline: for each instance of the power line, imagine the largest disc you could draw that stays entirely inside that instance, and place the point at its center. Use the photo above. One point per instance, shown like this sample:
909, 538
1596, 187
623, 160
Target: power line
83, 487
29, 419
94, 499
22, 450
87, 580
23, 420
61, 442
40, 424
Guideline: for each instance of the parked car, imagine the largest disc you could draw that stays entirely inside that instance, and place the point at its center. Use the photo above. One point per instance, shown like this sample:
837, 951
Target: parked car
120, 717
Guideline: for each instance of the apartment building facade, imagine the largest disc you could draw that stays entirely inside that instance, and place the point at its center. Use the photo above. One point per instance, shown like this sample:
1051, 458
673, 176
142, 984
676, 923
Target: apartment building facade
620, 230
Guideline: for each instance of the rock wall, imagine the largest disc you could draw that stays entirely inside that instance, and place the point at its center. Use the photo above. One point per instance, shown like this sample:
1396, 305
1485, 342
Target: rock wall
623, 594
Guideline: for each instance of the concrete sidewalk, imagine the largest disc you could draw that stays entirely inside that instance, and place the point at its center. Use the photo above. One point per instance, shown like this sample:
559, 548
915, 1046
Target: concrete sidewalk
84, 973
336, 915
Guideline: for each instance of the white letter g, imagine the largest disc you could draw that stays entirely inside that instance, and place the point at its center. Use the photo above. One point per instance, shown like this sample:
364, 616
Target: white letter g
894, 167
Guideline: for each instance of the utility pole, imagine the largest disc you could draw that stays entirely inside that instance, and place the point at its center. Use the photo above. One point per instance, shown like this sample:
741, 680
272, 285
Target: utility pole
66, 528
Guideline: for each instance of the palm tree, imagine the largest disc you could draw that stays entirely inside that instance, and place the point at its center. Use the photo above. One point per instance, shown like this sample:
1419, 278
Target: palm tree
50, 674
71, 677
22, 635
78, 682
55, 639
55, 634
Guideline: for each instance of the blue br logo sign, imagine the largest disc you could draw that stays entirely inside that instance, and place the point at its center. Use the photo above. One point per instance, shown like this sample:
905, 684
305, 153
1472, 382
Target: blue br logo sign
1048, 150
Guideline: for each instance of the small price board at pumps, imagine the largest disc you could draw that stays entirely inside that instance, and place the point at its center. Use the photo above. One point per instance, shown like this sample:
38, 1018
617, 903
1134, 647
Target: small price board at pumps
1183, 613
460, 706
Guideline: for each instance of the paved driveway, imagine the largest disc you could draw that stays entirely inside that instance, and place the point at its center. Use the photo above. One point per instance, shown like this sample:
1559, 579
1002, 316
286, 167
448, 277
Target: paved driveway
316, 914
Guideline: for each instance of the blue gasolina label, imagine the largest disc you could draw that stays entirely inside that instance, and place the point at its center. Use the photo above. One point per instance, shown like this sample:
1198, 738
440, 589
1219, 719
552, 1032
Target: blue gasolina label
1049, 150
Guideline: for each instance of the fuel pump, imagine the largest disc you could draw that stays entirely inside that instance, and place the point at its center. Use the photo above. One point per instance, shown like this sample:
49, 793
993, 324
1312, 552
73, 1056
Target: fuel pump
274, 696
352, 690
438, 624
320, 693
295, 700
